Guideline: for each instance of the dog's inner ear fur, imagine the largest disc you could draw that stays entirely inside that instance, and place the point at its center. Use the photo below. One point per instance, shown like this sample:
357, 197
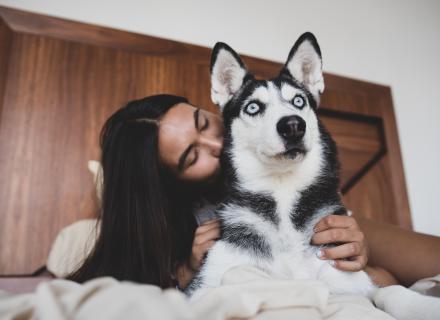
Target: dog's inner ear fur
227, 76
305, 65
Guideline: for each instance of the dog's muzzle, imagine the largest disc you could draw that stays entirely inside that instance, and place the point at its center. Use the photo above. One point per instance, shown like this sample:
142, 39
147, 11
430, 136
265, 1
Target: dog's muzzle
292, 130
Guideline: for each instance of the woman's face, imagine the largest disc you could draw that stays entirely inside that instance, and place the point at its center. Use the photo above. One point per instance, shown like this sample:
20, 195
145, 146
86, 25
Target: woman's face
190, 142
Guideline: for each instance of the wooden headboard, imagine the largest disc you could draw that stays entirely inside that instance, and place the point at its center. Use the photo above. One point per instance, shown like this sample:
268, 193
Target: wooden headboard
60, 80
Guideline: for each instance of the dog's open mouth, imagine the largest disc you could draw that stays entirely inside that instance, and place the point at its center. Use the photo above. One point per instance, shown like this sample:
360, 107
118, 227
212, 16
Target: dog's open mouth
293, 152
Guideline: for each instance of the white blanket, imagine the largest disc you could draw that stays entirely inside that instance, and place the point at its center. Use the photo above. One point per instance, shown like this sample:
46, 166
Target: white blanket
245, 293
422, 302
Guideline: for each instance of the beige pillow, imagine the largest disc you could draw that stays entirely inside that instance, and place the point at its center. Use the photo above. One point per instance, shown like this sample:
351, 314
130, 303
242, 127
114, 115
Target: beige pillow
72, 246
75, 242
95, 168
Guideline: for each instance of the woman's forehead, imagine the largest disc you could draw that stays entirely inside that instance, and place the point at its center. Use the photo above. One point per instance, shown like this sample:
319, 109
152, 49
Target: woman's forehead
178, 122
175, 130
178, 114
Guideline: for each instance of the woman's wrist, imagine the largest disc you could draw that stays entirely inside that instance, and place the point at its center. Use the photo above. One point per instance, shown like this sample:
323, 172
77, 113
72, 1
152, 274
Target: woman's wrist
380, 276
184, 274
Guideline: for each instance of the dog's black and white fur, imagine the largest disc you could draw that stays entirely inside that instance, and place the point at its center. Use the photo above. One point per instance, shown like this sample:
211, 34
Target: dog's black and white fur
282, 172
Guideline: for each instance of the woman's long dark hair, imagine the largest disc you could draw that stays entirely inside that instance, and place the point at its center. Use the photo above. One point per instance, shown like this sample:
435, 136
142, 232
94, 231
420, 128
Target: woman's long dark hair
146, 225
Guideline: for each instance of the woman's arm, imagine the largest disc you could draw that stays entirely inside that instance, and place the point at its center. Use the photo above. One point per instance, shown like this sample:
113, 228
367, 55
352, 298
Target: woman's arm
204, 238
408, 255
184, 275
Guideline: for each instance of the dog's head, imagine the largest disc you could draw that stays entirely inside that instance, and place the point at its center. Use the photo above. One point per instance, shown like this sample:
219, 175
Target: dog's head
275, 119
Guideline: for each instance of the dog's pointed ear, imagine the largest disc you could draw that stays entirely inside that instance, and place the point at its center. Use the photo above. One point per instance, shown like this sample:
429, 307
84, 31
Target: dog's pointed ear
227, 74
305, 64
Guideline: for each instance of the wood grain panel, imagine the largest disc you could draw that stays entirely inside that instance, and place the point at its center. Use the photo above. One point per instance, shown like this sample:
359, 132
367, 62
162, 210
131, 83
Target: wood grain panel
369, 99
358, 143
5, 46
30, 23
58, 96
372, 196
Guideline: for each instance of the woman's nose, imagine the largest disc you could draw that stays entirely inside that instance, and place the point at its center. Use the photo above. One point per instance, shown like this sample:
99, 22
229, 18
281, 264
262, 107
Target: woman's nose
214, 144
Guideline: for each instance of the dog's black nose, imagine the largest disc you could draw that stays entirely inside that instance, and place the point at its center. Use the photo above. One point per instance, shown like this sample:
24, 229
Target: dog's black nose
291, 128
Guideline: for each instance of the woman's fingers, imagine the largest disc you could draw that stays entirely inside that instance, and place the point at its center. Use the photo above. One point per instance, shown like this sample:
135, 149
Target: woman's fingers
347, 250
210, 234
207, 225
337, 235
207, 245
351, 253
353, 265
335, 221
210, 221
204, 239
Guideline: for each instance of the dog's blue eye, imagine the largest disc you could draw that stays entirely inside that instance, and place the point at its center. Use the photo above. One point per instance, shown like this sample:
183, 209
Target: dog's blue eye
298, 102
252, 108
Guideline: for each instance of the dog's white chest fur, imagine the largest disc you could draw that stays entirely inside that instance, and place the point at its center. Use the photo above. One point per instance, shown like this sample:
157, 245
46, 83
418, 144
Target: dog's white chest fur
289, 253
292, 258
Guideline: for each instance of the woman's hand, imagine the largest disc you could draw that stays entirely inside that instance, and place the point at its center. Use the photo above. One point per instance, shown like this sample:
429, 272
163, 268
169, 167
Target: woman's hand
351, 253
204, 239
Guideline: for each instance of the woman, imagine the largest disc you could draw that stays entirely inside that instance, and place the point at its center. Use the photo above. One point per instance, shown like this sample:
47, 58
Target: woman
160, 158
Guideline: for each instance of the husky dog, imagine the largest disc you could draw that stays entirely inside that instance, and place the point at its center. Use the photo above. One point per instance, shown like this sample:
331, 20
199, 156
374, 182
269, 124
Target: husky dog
281, 169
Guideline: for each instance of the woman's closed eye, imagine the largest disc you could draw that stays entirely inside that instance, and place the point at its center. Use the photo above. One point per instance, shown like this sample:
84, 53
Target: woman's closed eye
205, 125
194, 155
194, 158
188, 157
200, 118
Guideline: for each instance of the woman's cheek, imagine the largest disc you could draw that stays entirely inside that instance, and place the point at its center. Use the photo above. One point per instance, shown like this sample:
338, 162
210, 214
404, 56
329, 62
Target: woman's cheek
210, 165
217, 126
205, 168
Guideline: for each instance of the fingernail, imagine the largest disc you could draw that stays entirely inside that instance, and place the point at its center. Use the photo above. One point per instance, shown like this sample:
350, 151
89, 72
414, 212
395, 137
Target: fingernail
332, 263
320, 254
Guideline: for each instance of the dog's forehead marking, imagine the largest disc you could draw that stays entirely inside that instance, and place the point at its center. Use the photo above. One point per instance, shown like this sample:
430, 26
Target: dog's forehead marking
288, 92
260, 93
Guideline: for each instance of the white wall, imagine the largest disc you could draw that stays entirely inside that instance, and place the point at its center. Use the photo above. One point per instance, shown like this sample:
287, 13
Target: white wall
396, 43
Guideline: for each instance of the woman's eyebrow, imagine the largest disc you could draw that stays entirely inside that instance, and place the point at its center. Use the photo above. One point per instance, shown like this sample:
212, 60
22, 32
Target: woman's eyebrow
196, 118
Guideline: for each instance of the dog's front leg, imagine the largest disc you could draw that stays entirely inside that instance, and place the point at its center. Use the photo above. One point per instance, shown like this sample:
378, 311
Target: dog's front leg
220, 258
343, 282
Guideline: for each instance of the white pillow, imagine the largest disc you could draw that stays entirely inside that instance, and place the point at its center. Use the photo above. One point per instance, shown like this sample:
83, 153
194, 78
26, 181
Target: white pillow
72, 246
75, 242
95, 168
